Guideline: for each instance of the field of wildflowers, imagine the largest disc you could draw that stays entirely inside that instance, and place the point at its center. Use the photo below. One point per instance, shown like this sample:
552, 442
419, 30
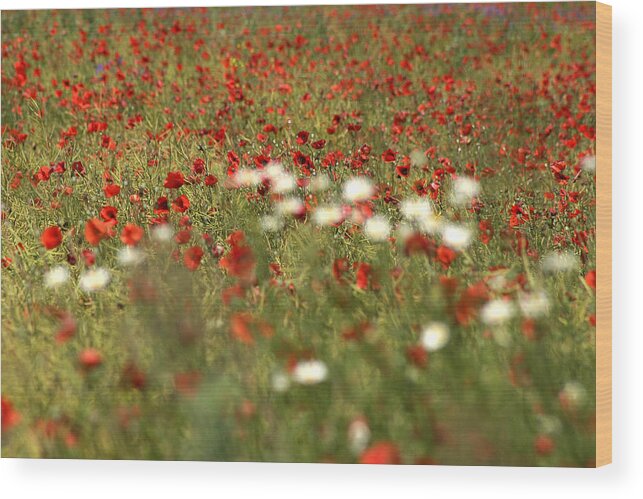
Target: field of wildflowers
306, 234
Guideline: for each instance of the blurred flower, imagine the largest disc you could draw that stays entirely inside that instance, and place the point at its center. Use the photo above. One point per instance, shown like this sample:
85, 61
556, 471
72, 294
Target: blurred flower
280, 382
309, 372
246, 177
456, 237
589, 164
358, 189
290, 206
534, 304
94, 279
56, 276
359, 435
416, 209
465, 189
559, 262
90, 358
381, 453
572, 395
497, 312
271, 223
377, 228
434, 336
163, 233
129, 256
10, 417
328, 215
548, 424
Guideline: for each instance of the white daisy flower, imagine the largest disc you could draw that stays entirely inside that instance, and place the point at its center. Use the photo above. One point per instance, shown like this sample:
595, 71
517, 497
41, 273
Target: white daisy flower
589, 164
280, 382
457, 237
309, 372
163, 233
94, 279
358, 189
465, 189
247, 177
328, 215
129, 256
359, 434
416, 209
377, 228
533, 305
290, 206
496, 312
559, 262
574, 393
56, 276
434, 336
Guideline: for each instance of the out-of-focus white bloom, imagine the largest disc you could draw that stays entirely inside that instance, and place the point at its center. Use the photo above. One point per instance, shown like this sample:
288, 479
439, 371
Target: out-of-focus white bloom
464, 190
416, 209
589, 164
290, 206
418, 158
548, 424
404, 231
319, 183
56, 276
573, 394
434, 336
457, 237
94, 279
534, 304
430, 224
328, 215
496, 312
271, 223
281, 181
559, 262
129, 255
498, 281
247, 177
309, 372
280, 382
358, 189
359, 434
162, 233
377, 228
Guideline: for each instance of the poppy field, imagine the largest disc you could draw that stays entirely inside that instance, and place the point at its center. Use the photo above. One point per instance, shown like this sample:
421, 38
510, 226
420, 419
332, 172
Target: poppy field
341, 234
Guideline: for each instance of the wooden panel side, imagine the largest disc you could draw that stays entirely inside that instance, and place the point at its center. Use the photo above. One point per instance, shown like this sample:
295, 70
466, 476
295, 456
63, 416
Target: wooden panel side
604, 234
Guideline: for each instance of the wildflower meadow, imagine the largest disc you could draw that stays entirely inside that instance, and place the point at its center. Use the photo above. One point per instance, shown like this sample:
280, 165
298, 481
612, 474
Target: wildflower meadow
340, 234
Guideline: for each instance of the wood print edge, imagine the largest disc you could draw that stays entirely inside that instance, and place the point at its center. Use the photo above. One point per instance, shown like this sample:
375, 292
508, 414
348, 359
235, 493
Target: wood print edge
604, 234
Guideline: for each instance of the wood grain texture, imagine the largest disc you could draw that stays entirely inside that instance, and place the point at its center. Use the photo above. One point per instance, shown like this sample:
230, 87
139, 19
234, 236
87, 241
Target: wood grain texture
604, 234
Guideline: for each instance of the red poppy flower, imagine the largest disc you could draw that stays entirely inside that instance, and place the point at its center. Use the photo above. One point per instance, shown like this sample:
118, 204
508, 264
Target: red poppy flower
363, 275
181, 204
174, 180
381, 453
131, 234
302, 137
95, 231
445, 256
389, 155
111, 190
51, 237
10, 417
192, 257
590, 279
544, 445
89, 359
240, 327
